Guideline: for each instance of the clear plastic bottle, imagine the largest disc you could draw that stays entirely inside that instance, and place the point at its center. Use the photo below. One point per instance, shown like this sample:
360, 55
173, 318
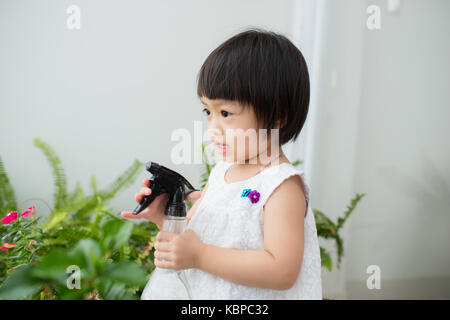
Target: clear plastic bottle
168, 284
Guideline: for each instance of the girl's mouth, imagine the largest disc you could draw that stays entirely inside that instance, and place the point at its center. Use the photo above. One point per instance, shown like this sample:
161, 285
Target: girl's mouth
221, 148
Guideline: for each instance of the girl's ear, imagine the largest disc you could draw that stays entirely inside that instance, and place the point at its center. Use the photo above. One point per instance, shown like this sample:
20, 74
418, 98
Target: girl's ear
284, 123
277, 124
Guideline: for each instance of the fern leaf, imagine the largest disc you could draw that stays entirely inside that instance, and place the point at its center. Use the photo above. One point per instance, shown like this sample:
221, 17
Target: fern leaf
123, 181
340, 250
94, 184
81, 209
350, 209
60, 193
76, 195
297, 162
325, 227
325, 257
7, 197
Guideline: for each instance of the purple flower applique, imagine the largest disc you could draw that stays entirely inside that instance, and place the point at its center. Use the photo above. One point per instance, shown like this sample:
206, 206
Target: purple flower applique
253, 195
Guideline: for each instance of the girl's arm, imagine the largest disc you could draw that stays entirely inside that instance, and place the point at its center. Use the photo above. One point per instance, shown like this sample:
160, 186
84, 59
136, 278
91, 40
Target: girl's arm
278, 265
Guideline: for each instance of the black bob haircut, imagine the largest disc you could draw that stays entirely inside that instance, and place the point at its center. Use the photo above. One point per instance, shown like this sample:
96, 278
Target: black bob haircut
264, 70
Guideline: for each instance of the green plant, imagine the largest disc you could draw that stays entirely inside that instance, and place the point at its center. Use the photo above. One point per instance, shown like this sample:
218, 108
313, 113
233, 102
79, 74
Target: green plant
7, 197
76, 221
97, 270
327, 229
115, 256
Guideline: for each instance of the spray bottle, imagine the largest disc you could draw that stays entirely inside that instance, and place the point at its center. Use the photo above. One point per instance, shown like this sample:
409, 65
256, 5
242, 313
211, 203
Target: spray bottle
167, 284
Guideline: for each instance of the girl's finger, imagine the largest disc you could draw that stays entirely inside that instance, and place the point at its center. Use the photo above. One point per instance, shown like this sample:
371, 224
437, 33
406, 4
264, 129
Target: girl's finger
128, 214
165, 236
162, 264
163, 256
138, 196
194, 195
146, 191
163, 246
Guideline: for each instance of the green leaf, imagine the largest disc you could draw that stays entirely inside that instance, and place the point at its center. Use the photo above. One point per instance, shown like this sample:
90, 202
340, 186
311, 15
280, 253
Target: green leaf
127, 272
116, 233
325, 227
123, 181
94, 184
297, 162
54, 265
350, 208
87, 255
60, 194
326, 259
116, 291
9, 234
20, 284
92, 253
54, 220
7, 196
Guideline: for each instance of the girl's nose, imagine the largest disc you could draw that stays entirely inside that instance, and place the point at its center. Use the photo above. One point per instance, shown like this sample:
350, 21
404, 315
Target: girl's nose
215, 129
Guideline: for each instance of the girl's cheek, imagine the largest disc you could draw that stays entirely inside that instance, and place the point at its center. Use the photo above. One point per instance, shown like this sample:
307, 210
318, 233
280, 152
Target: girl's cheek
239, 148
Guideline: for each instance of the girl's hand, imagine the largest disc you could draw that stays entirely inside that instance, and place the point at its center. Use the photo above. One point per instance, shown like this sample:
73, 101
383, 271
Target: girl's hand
155, 211
177, 251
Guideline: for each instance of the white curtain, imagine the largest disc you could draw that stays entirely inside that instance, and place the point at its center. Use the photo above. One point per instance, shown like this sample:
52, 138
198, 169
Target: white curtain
330, 35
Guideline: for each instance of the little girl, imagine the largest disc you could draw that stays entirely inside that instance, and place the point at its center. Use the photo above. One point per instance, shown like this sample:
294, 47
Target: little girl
251, 233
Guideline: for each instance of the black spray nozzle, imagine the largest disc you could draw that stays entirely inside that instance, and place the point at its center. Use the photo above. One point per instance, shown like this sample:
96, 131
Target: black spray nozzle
176, 207
166, 180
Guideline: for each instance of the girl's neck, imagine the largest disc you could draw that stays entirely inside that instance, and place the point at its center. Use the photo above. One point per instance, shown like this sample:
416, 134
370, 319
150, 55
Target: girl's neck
267, 160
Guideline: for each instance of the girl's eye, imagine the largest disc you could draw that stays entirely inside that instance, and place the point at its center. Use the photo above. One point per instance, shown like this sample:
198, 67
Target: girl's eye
226, 112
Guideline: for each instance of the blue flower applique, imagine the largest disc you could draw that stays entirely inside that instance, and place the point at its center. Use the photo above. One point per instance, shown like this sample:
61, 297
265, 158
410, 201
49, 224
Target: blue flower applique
253, 195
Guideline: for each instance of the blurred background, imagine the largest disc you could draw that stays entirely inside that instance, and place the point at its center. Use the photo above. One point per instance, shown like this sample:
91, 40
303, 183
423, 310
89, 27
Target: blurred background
115, 89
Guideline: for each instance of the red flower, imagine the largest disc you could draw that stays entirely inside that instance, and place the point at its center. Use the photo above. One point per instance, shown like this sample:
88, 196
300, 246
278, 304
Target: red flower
7, 246
9, 217
29, 212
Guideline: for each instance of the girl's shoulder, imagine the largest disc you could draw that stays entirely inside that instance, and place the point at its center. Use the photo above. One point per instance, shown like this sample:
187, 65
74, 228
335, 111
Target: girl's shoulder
288, 175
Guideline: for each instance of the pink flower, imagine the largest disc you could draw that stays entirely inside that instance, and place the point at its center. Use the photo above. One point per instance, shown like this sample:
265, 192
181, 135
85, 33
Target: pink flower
29, 212
9, 217
7, 246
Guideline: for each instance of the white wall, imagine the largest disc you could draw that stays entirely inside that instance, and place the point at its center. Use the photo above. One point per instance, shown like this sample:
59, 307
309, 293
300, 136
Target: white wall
113, 91
336, 67
381, 128
402, 152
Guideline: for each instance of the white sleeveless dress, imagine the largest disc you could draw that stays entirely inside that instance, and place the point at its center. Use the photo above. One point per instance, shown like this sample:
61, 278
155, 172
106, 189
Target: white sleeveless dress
226, 219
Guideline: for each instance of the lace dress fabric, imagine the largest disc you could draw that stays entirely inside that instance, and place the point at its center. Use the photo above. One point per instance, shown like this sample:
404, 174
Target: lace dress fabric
226, 219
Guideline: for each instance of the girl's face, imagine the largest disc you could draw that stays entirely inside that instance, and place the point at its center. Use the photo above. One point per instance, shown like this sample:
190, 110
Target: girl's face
231, 124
